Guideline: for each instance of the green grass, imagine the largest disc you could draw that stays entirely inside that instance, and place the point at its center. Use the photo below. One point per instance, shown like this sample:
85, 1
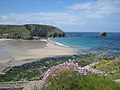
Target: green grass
11, 29
68, 79
36, 69
111, 67
86, 57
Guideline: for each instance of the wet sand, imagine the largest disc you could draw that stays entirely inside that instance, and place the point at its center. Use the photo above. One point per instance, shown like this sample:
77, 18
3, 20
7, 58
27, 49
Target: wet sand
18, 49
17, 52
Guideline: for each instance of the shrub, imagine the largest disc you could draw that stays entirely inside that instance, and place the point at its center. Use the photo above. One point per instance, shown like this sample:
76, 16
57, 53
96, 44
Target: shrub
69, 76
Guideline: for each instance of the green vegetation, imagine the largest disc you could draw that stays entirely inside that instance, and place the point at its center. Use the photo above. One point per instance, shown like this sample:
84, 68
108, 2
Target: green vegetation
44, 30
12, 29
110, 67
67, 79
86, 57
29, 31
34, 70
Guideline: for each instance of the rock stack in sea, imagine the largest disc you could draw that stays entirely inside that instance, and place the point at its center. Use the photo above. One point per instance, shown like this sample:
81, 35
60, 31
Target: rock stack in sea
102, 34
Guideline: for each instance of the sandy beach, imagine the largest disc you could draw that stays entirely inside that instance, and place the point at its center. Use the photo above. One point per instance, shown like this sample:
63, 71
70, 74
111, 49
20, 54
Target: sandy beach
4, 40
17, 52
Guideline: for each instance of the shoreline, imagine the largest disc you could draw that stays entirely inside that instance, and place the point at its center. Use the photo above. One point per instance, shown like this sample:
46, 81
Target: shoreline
50, 50
2, 41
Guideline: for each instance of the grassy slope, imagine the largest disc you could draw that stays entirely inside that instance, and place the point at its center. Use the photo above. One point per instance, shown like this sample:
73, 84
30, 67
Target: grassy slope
111, 67
35, 69
13, 29
67, 79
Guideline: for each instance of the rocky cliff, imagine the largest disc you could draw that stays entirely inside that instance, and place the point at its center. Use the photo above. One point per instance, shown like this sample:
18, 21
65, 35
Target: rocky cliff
30, 30
44, 30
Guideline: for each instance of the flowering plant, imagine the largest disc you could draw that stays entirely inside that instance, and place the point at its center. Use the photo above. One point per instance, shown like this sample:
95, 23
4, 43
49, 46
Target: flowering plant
71, 65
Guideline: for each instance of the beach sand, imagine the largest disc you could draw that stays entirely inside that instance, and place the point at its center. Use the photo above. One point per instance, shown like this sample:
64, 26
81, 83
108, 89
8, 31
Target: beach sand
14, 53
4, 40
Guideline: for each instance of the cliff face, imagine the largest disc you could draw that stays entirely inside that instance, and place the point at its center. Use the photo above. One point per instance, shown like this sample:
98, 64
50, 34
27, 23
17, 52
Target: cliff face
44, 30
15, 31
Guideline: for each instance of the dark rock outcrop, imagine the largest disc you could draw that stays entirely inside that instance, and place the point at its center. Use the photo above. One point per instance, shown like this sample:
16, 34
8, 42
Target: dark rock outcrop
102, 48
102, 33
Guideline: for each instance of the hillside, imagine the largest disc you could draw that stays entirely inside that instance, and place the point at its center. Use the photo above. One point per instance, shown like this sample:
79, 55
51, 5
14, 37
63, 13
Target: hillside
30, 31
77, 72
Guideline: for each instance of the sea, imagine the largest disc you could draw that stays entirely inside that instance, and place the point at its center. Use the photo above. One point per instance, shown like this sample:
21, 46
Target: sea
91, 42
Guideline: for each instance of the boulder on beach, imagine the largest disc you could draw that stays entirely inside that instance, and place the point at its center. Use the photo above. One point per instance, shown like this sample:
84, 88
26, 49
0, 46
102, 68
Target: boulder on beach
102, 34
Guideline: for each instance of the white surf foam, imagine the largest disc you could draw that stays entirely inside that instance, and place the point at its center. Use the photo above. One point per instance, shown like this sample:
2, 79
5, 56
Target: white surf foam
60, 44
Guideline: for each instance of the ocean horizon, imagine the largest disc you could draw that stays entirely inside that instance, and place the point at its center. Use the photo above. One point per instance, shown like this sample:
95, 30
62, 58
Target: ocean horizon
91, 42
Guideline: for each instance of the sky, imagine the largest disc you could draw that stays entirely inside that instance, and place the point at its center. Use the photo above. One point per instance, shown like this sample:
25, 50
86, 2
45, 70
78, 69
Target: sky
68, 15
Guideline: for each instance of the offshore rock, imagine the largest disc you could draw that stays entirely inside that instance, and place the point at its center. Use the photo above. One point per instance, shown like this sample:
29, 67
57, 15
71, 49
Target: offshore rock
102, 34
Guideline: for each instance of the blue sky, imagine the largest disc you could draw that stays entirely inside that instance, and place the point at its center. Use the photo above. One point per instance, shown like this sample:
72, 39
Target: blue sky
68, 15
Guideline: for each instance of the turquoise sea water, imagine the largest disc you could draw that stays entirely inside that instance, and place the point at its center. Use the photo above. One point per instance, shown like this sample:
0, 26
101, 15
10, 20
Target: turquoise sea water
90, 42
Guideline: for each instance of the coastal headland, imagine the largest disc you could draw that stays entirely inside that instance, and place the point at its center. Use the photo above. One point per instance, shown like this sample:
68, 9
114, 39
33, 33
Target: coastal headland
21, 43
